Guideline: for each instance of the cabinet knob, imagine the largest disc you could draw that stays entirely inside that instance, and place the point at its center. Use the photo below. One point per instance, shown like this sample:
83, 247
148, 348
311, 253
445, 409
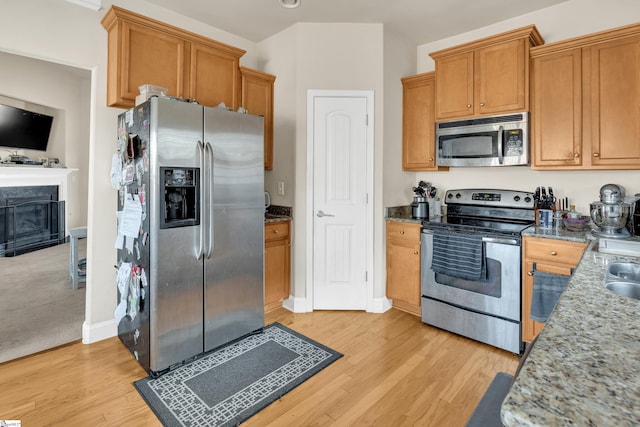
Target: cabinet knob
553, 253
482, 104
415, 252
576, 155
401, 231
431, 160
468, 105
596, 154
530, 273
276, 231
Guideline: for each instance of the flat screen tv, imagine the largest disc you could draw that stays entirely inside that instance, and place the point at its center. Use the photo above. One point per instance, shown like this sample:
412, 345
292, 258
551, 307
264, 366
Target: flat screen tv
24, 129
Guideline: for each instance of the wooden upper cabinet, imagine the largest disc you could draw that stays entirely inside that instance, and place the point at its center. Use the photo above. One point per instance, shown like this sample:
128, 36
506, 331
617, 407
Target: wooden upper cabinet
614, 92
556, 109
454, 86
585, 101
257, 98
145, 51
214, 75
418, 123
140, 55
485, 77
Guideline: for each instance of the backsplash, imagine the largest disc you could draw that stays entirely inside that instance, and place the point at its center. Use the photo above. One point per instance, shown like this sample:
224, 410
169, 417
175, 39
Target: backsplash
399, 211
280, 210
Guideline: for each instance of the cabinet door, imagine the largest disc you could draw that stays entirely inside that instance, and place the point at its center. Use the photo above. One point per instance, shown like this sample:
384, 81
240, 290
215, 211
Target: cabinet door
403, 266
500, 83
418, 122
454, 86
556, 110
214, 76
257, 98
551, 256
614, 90
277, 264
531, 328
144, 56
403, 272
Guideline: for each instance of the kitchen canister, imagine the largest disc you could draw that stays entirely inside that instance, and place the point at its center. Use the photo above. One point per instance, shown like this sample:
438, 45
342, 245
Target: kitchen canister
546, 218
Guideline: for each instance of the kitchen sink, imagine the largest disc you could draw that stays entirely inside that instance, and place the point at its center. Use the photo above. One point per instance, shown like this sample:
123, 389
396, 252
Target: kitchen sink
623, 278
625, 289
626, 271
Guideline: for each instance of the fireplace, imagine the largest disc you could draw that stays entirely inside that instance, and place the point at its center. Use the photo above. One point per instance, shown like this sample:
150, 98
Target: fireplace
31, 218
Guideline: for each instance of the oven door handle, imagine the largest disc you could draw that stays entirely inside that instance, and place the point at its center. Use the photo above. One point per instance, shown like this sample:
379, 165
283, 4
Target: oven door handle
500, 240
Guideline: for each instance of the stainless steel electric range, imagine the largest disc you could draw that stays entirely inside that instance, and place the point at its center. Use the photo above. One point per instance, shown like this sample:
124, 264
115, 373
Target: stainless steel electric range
471, 265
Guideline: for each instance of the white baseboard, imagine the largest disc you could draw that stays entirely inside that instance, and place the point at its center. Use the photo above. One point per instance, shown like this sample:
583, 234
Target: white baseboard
380, 305
297, 305
99, 331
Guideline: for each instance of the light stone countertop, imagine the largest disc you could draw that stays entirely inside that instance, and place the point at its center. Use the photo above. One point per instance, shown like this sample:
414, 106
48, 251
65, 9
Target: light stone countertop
584, 369
276, 218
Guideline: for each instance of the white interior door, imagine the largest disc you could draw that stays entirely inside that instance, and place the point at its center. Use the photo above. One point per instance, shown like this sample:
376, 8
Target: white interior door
340, 141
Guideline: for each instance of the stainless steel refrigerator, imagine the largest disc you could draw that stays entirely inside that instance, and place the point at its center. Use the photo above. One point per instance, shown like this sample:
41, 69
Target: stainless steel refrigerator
198, 174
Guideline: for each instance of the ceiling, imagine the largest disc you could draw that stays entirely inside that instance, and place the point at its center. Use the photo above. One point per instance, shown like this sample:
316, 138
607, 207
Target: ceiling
419, 21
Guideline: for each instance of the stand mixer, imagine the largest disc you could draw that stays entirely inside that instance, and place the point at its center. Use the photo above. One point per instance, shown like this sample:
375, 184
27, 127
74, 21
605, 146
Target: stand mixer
611, 213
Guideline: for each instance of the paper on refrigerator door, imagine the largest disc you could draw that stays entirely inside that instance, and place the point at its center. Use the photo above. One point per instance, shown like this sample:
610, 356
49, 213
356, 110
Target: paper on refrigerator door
131, 216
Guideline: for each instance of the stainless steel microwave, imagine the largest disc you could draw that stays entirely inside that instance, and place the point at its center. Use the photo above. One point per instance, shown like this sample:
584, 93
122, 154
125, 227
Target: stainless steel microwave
484, 141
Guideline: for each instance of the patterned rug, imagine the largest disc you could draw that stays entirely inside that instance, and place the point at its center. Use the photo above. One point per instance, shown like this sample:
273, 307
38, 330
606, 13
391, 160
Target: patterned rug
230, 384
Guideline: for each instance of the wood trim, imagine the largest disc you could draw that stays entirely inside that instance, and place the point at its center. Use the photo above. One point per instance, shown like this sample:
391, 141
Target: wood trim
258, 75
115, 13
530, 32
587, 40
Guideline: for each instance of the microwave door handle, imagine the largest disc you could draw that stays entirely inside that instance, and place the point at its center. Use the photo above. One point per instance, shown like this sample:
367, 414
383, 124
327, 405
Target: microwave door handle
500, 143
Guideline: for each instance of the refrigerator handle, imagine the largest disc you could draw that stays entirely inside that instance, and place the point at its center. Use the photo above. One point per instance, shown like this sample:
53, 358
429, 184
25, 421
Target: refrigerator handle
202, 193
209, 163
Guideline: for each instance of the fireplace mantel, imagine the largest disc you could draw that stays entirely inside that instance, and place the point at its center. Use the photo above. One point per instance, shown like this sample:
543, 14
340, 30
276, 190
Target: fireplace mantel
19, 176
27, 175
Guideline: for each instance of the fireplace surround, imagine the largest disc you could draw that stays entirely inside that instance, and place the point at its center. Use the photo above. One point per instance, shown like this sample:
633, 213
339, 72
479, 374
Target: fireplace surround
31, 218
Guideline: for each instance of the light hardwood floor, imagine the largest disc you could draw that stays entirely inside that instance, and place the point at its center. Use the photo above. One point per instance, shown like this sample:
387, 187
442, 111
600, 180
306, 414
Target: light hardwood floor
395, 371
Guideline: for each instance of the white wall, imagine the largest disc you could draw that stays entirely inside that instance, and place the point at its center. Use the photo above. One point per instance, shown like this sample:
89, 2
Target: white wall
565, 20
319, 56
64, 93
65, 33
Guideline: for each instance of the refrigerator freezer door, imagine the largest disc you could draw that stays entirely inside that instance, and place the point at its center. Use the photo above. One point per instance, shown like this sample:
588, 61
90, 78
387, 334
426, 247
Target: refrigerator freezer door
176, 272
234, 296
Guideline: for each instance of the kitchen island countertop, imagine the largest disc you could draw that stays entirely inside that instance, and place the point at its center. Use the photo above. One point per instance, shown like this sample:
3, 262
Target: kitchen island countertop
584, 368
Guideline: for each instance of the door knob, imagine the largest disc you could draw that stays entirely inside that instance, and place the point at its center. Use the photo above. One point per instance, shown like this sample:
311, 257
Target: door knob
320, 214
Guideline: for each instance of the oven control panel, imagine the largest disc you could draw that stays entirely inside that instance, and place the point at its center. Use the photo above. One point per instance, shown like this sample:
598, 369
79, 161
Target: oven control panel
485, 197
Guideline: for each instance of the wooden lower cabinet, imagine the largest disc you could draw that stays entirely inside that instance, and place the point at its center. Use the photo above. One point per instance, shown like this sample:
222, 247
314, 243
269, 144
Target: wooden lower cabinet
277, 262
403, 265
551, 256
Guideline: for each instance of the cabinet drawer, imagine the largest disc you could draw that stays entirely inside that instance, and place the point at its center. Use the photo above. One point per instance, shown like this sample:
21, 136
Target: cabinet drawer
404, 231
276, 231
557, 251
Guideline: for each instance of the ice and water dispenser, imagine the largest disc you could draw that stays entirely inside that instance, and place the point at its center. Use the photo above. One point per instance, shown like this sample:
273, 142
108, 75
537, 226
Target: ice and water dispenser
181, 197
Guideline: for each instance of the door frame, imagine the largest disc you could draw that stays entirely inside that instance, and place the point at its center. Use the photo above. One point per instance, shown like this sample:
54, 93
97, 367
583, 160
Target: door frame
312, 94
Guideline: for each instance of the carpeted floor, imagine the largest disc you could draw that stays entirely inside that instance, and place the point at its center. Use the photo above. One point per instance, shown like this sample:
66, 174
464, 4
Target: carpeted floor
229, 385
38, 308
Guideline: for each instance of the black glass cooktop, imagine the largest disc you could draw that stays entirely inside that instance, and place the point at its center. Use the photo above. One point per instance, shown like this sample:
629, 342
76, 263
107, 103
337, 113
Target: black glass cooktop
477, 226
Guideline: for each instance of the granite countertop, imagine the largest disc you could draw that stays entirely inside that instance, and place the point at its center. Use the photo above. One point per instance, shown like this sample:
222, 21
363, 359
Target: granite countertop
269, 218
402, 214
584, 368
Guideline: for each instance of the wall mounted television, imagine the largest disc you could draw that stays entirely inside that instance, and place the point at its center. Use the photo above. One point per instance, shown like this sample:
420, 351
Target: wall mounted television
24, 129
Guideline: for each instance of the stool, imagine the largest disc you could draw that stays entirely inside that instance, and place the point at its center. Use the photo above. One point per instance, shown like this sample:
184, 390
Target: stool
75, 234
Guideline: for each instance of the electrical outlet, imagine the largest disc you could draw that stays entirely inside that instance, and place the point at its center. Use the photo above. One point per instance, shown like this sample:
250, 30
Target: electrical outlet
281, 188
